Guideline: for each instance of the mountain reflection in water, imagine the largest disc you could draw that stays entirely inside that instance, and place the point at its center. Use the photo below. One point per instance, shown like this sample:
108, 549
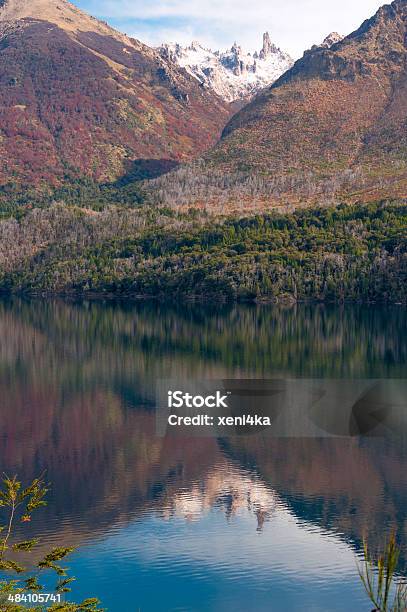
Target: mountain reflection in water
198, 524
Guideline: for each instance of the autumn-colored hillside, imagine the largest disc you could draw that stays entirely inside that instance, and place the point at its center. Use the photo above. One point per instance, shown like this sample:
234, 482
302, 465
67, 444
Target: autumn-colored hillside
79, 99
332, 128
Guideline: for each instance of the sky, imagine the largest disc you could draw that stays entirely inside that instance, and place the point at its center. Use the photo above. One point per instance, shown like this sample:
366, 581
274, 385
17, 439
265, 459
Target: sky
294, 25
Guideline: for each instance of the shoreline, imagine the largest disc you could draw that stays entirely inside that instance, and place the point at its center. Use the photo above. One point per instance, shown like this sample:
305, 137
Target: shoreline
164, 299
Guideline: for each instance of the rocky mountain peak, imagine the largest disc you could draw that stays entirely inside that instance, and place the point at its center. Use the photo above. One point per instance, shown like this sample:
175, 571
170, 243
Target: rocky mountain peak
378, 46
268, 47
385, 29
233, 74
332, 39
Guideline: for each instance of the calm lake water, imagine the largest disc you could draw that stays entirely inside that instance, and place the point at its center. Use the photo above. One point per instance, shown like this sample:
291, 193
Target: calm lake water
170, 524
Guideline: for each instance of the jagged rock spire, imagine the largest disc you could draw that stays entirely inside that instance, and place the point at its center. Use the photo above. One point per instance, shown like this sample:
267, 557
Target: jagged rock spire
268, 47
266, 43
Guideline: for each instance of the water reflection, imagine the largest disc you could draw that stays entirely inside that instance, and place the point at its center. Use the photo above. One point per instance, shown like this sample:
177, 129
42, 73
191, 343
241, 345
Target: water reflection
77, 388
224, 487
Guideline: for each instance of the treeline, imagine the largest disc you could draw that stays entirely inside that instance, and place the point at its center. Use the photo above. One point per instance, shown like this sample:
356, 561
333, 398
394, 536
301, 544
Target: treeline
17, 201
356, 253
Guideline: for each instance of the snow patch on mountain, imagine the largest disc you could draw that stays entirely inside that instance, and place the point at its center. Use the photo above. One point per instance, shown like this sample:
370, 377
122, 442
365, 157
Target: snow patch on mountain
332, 39
233, 74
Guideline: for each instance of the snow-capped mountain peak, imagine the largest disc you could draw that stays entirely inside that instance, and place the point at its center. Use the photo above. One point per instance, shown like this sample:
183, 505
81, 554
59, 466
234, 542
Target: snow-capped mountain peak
233, 74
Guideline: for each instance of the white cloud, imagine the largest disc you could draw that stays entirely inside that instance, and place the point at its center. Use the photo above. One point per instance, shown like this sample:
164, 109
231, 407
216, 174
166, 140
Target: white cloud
154, 36
293, 24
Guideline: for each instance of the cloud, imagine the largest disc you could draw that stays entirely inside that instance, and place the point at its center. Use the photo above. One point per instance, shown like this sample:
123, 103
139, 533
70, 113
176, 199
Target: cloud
155, 33
293, 24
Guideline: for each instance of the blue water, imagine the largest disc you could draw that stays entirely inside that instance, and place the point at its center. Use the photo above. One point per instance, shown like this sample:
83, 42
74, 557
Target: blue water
205, 525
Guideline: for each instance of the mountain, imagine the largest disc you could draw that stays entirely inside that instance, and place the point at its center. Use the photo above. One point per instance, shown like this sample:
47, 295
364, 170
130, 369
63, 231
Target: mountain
233, 74
332, 128
78, 98
332, 39
328, 42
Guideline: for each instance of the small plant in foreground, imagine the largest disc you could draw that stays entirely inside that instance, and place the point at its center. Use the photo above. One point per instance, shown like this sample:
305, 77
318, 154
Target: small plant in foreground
379, 578
17, 505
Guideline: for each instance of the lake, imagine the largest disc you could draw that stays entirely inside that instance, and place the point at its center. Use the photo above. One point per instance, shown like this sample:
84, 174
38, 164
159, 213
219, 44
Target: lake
198, 524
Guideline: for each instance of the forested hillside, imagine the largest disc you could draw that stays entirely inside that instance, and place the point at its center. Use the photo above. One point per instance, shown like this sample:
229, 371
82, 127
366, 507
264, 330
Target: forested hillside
356, 253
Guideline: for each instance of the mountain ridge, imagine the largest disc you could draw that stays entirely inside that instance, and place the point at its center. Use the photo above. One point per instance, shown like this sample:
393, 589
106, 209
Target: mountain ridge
233, 74
332, 128
62, 13
80, 99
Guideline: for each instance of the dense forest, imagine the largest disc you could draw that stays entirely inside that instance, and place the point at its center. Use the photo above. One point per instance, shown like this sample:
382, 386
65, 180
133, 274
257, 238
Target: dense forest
351, 252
